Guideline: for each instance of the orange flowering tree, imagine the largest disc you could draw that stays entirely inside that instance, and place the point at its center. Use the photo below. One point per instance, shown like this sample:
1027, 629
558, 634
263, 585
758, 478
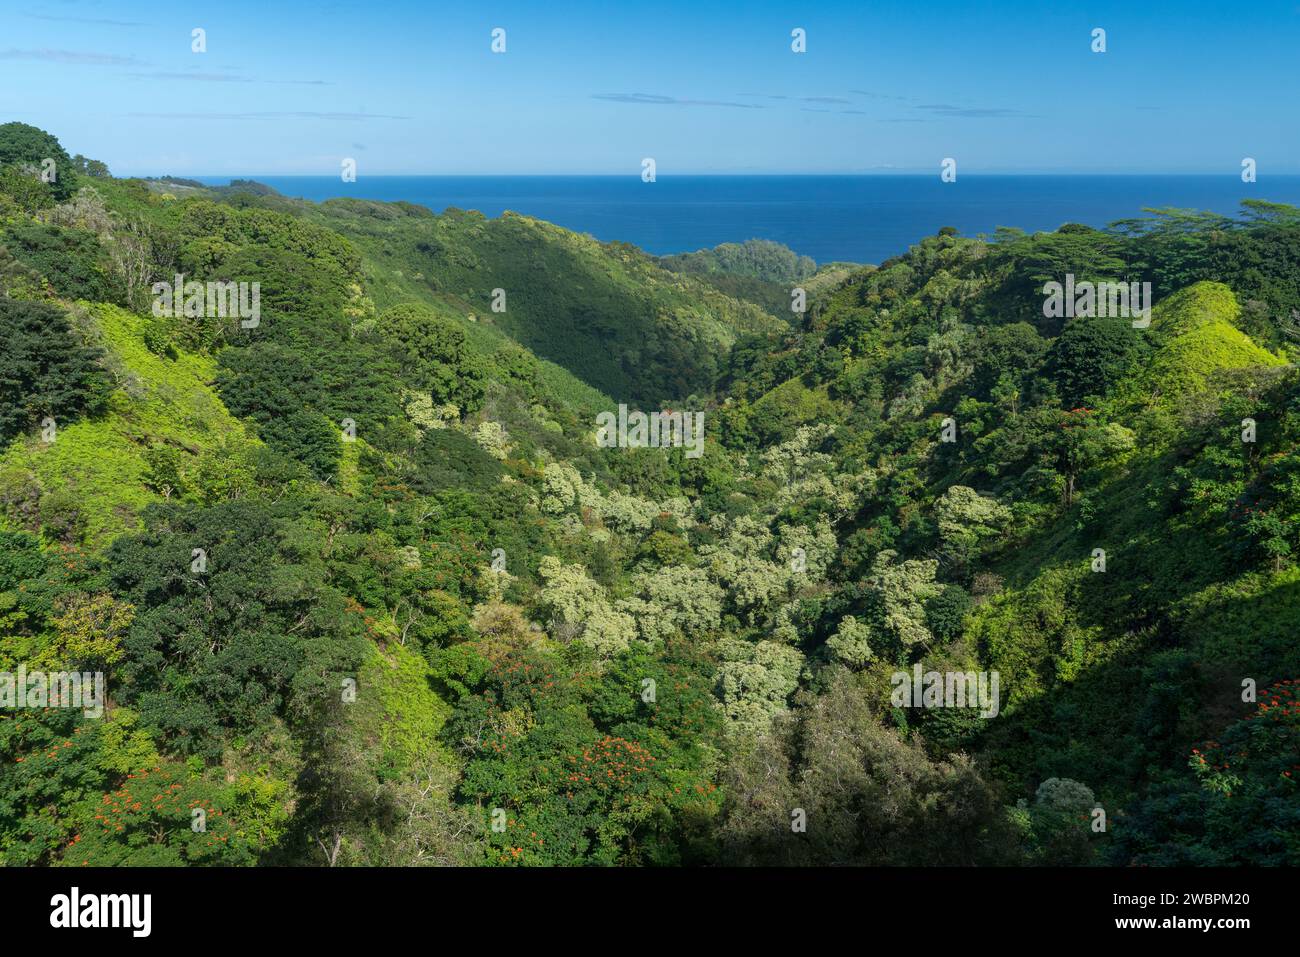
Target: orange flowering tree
162, 816
574, 764
1243, 806
49, 760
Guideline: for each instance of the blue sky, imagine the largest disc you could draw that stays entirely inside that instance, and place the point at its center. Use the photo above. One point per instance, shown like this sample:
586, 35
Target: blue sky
413, 87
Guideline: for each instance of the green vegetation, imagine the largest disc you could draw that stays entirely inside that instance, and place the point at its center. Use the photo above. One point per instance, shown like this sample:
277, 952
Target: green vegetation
609, 314
365, 591
755, 258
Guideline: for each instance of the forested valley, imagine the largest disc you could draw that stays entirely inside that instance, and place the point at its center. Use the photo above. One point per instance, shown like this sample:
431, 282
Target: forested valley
365, 589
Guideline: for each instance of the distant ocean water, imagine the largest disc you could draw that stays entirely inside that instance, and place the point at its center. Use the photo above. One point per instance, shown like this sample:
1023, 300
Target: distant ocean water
855, 218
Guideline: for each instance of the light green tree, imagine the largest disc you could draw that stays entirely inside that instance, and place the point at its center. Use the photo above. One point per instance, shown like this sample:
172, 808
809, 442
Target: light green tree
578, 609
900, 590
851, 643
755, 680
966, 519
674, 599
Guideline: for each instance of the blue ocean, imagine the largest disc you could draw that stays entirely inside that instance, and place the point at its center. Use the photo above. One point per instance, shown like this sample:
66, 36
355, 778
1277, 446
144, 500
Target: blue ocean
854, 218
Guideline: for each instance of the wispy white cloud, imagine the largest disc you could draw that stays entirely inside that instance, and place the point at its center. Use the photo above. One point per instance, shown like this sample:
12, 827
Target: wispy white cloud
199, 77
95, 20
652, 99
943, 109
882, 96
288, 115
70, 56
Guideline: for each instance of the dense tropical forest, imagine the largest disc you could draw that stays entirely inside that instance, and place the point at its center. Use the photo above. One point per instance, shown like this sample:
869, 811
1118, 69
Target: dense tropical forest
366, 590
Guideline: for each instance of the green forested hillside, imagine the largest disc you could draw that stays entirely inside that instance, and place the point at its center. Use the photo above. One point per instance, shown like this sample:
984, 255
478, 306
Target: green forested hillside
366, 591
609, 314
760, 271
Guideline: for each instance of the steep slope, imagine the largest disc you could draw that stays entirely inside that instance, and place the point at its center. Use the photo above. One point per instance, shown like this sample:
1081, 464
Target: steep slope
606, 312
1124, 566
164, 428
1196, 335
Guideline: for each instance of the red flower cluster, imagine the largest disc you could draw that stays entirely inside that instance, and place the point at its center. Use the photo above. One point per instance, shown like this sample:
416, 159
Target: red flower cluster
611, 762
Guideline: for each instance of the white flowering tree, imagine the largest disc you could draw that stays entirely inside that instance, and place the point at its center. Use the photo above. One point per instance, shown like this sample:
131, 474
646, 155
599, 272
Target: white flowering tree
578, 609
755, 681
674, 599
